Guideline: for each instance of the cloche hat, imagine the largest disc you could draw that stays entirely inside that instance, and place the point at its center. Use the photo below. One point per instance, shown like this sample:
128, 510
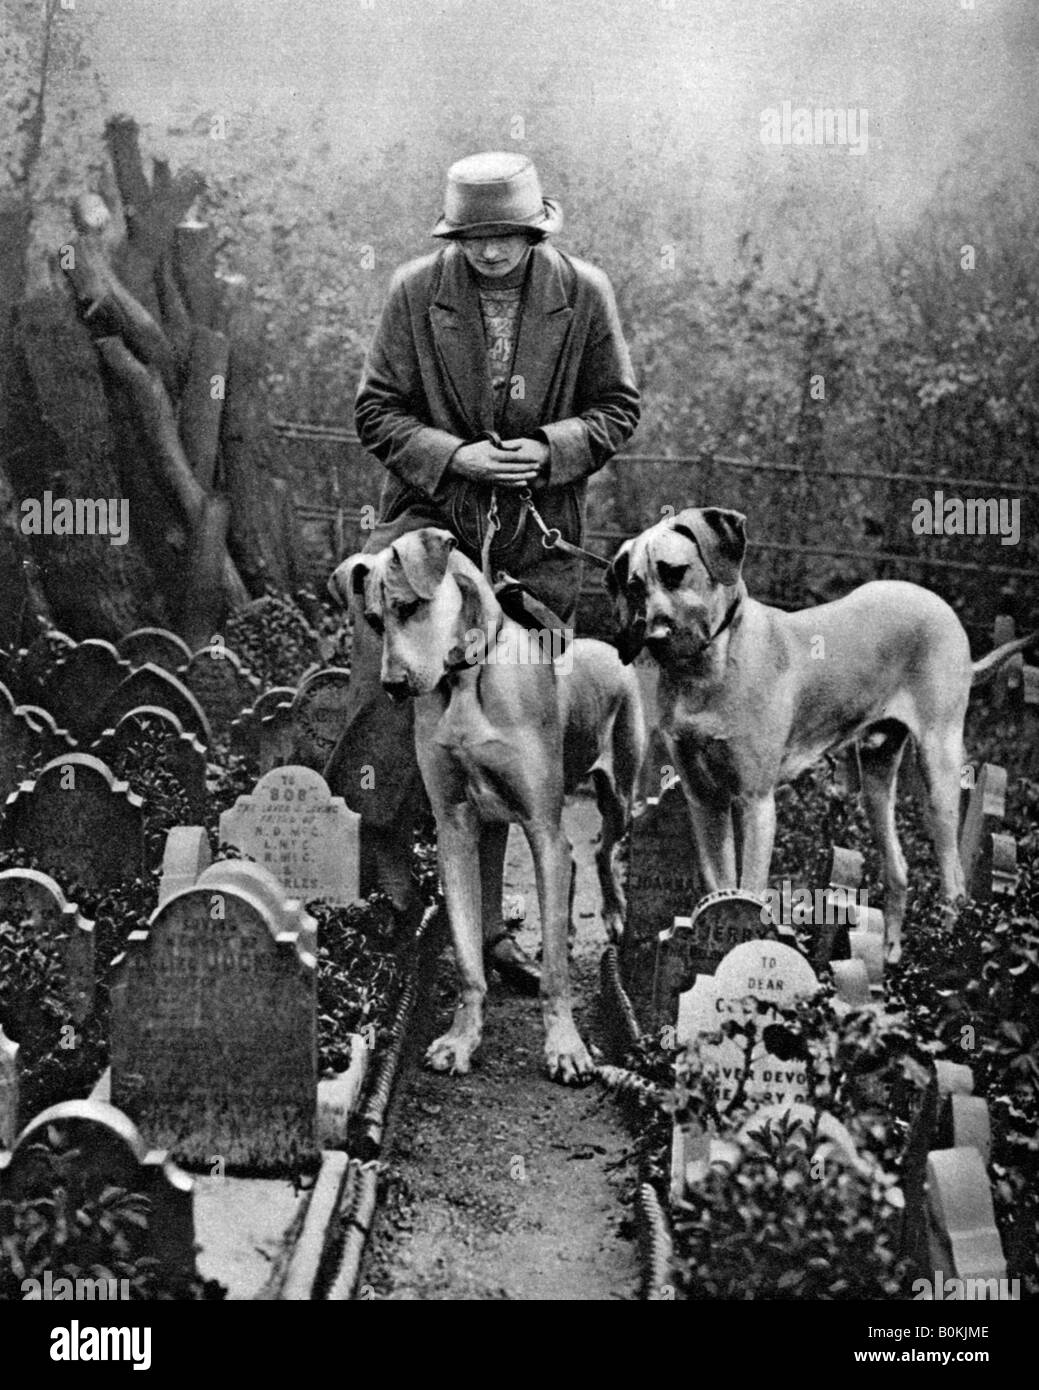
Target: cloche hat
496, 191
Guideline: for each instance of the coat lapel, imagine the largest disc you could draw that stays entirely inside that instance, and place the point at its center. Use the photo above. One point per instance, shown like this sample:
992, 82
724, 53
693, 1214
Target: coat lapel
544, 325
460, 343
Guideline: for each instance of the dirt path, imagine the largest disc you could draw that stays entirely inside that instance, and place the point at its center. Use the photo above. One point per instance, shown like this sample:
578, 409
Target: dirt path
501, 1184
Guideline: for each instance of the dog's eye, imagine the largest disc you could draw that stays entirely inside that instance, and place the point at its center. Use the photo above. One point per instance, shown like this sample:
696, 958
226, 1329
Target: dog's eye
374, 622
406, 611
671, 575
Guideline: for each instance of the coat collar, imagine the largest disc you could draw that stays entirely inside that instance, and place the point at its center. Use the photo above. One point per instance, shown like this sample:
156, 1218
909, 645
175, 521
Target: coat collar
458, 332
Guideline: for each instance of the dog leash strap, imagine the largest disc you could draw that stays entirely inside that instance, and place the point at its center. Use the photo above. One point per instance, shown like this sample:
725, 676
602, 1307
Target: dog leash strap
490, 531
552, 539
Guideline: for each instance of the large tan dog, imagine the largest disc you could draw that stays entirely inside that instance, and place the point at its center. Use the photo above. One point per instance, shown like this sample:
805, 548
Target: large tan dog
751, 696
502, 734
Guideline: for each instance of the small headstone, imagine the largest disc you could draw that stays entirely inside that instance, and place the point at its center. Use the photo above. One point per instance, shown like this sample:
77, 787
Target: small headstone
295, 827
154, 646
985, 811
19, 743
1007, 680
866, 941
38, 661
277, 739
54, 742
214, 1034
318, 712
832, 1138
187, 854
79, 822
222, 686
100, 1148
663, 883
697, 945
150, 685
182, 755
284, 913
27, 894
245, 729
9, 1076
757, 972
81, 683
965, 1124
965, 1243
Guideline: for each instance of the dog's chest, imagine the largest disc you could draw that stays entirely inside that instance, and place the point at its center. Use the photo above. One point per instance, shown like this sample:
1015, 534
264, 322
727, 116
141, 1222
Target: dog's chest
479, 757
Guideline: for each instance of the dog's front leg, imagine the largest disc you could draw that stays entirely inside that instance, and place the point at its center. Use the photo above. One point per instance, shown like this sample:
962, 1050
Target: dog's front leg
566, 1055
458, 846
713, 841
758, 817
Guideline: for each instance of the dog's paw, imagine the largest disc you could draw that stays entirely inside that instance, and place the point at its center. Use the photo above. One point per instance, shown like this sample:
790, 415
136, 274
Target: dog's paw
567, 1058
451, 1053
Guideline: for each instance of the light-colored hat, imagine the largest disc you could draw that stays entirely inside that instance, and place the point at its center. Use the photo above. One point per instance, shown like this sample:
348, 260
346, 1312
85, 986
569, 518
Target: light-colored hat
494, 192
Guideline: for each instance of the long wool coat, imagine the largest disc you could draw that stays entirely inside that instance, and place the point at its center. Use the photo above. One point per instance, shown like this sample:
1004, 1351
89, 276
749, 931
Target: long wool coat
426, 390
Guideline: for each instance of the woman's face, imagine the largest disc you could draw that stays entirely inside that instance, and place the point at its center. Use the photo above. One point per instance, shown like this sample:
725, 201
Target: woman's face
495, 256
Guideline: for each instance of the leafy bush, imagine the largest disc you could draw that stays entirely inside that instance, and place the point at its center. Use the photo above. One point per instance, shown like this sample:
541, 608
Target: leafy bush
76, 1227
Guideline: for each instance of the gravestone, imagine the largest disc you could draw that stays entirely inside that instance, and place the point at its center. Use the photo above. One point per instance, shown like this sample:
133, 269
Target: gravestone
19, 743
830, 936
54, 742
9, 1080
222, 686
150, 685
832, 1139
964, 1242
214, 1034
764, 972
245, 729
294, 826
27, 894
663, 883
698, 944
285, 914
182, 755
986, 808
318, 713
80, 684
38, 661
100, 1148
277, 739
154, 646
79, 822
1006, 683
186, 855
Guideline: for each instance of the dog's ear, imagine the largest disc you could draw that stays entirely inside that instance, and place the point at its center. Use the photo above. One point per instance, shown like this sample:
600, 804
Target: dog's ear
349, 578
720, 536
475, 617
631, 634
423, 556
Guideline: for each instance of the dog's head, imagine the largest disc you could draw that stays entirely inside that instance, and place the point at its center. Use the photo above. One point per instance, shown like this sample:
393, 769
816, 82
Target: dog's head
423, 599
673, 585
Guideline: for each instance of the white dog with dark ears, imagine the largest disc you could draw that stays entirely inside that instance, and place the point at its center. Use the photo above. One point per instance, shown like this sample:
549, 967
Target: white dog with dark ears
500, 742
751, 696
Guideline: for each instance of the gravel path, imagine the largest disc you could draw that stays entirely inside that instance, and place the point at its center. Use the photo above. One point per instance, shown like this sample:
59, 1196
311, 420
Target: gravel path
502, 1184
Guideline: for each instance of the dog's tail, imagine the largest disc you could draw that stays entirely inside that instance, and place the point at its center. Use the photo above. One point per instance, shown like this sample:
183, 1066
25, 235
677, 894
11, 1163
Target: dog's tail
986, 668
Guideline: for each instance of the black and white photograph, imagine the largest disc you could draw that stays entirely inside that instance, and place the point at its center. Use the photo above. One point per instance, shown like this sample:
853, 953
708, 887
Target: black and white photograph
519, 669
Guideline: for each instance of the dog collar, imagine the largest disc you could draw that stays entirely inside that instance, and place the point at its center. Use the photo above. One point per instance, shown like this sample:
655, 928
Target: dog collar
725, 622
